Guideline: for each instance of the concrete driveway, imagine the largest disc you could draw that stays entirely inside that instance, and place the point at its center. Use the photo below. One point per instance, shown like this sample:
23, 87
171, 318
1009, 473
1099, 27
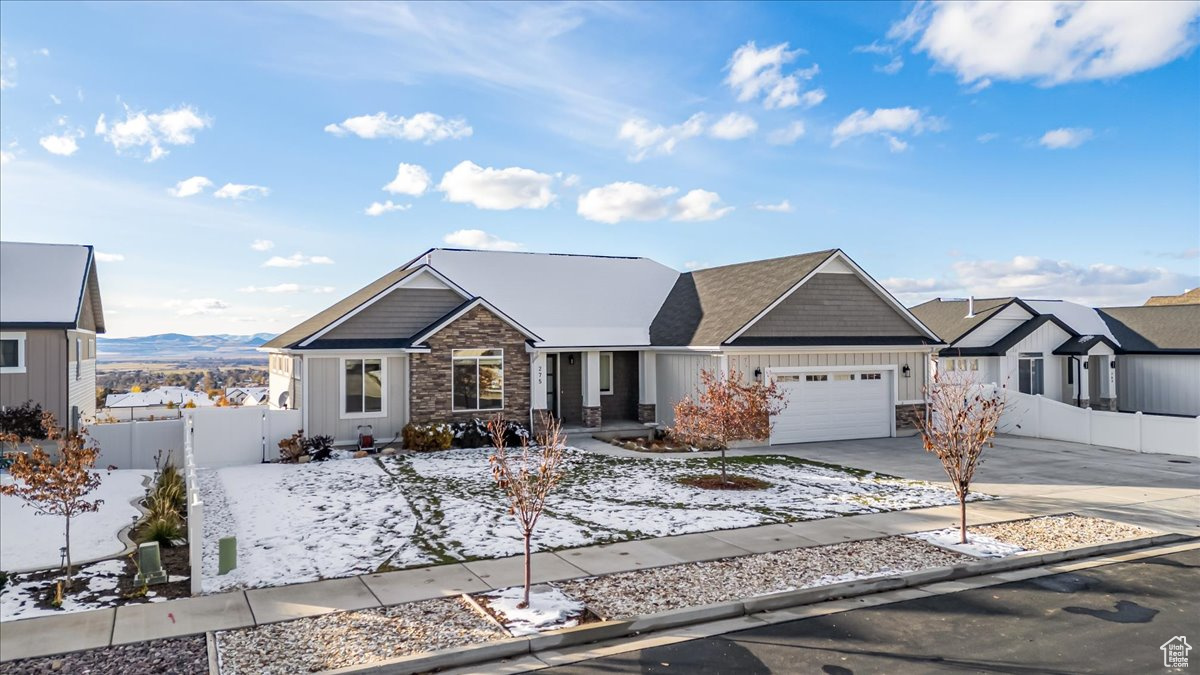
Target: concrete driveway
1157, 491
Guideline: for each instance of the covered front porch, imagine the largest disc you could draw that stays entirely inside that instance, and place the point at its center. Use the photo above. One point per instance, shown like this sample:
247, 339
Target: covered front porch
1089, 373
595, 390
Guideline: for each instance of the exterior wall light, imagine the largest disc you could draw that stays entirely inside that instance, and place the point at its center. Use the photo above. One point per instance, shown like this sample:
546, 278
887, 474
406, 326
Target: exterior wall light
758, 374
906, 370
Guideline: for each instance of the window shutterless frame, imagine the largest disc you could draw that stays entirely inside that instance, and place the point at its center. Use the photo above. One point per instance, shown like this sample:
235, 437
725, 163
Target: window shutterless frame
12, 349
343, 391
464, 359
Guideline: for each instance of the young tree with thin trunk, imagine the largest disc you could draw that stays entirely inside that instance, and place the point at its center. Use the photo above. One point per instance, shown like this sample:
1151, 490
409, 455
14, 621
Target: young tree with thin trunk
54, 488
527, 476
959, 423
727, 409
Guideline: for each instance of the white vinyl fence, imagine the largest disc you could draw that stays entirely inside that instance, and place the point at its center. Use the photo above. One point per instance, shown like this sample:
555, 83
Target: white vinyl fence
1040, 417
195, 516
219, 437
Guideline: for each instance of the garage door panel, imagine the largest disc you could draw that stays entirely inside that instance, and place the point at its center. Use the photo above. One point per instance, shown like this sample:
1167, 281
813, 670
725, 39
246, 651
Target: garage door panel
832, 406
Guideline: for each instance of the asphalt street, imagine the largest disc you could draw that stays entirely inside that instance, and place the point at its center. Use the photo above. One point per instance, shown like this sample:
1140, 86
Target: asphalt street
1109, 619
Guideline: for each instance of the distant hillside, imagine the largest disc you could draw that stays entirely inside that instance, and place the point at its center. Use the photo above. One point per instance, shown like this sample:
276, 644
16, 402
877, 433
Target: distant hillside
176, 346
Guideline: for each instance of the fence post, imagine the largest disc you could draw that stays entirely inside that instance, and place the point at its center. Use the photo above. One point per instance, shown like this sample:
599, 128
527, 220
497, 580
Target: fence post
1037, 405
1089, 425
1137, 425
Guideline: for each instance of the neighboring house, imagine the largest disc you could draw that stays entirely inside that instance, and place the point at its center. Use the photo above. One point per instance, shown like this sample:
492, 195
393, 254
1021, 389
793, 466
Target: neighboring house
1115, 358
600, 342
1191, 297
159, 397
50, 313
247, 395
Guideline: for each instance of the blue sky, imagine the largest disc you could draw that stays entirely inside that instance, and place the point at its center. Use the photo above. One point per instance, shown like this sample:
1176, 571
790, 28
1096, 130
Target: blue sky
987, 149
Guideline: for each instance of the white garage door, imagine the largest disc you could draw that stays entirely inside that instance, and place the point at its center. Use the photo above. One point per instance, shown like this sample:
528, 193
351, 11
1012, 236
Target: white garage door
834, 405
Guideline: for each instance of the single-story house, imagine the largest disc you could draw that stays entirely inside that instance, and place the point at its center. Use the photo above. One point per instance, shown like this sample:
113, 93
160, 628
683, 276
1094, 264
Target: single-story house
602, 341
247, 395
50, 313
1130, 359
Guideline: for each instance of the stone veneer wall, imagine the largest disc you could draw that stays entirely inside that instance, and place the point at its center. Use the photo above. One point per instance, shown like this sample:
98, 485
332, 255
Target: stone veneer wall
906, 414
647, 413
430, 374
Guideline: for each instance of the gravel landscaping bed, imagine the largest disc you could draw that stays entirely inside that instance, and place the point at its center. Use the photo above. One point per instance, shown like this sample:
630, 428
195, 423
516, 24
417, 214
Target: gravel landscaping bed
352, 638
1053, 533
177, 656
665, 588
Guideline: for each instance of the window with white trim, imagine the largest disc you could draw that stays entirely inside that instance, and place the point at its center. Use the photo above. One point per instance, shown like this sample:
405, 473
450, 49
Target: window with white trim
478, 379
816, 378
606, 372
12, 352
871, 376
363, 386
78, 358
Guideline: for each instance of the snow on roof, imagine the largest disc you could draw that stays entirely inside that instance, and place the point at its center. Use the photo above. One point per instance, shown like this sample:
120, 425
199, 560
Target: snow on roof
41, 283
160, 396
567, 300
1081, 318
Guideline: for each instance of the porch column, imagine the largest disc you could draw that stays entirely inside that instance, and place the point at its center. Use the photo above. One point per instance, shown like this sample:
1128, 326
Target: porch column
1085, 381
591, 389
1108, 382
537, 382
647, 388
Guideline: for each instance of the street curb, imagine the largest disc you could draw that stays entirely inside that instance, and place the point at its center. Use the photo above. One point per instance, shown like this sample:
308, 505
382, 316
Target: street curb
210, 644
606, 630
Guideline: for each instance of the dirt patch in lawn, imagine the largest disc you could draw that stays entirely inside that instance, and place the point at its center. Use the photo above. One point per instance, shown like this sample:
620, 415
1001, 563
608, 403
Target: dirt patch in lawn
713, 481
655, 445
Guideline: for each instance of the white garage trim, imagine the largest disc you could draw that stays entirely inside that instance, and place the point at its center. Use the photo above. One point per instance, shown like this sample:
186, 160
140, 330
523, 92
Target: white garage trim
890, 369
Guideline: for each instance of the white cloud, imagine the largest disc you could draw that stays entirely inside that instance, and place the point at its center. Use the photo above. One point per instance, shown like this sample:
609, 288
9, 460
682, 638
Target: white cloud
733, 126
6, 157
497, 189
55, 100
693, 265
1050, 43
655, 139
987, 137
782, 207
892, 67
190, 186
199, 306
63, 144
616, 202
109, 257
172, 126
755, 72
411, 179
278, 288
1099, 284
262, 244
812, 98
380, 208
297, 260
240, 191
786, 135
8, 71
1065, 137
426, 126
480, 240
885, 121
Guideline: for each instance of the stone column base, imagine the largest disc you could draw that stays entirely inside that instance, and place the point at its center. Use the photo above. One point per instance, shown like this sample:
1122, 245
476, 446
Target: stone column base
907, 414
647, 413
591, 417
538, 415
1105, 404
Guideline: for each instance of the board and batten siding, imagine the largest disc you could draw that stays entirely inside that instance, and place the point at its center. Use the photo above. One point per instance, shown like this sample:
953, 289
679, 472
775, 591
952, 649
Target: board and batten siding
678, 375
832, 305
997, 326
1045, 340
908, 389
1166, 384
325, 401
45, 378
81, 382
401, 313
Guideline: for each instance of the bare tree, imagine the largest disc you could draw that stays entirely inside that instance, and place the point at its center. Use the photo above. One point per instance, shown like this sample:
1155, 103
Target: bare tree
54, 488
959, 424
727, 410
528, 476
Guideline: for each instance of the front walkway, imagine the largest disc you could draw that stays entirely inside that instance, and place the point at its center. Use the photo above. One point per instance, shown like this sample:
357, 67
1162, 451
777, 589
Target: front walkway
1032, 477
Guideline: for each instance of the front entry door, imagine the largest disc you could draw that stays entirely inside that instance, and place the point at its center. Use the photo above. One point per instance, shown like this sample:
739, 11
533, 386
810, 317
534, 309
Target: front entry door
552, 384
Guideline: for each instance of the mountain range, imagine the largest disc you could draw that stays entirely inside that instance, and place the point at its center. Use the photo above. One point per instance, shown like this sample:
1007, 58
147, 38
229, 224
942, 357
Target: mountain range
177, 346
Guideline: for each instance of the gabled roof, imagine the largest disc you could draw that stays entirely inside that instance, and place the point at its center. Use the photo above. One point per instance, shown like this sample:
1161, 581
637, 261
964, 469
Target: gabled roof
706, 307
1191, 297
45, 285
462, 309
1001, 346
948, 318
1163, 329
1083, 345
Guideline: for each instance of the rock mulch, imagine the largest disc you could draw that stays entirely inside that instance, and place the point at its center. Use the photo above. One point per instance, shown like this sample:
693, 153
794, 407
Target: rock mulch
662, 589
176, 656
1053, 533
351, 638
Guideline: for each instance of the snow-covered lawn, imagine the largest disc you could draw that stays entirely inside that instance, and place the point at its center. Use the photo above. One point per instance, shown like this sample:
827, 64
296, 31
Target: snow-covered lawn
30, 541
305, 522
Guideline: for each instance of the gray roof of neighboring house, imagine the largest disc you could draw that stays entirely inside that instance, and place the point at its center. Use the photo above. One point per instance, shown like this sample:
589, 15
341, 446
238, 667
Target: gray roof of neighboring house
1001, 346
706, 307
44, 285
948, 318
298, 333
1155, 329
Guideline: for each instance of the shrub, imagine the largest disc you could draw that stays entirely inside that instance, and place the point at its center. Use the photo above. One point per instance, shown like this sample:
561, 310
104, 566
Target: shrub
318, 447
24, 420
475, 434
426, 437
291, 448
164, 530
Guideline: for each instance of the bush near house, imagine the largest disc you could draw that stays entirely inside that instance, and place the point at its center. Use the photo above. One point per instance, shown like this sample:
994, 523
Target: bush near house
471, 434
427, 437
317, 448
24, 420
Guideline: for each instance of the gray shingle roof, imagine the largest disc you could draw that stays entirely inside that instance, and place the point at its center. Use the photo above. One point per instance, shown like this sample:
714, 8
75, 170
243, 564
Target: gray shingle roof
43, 285
706, 307
1155, 329
948, 318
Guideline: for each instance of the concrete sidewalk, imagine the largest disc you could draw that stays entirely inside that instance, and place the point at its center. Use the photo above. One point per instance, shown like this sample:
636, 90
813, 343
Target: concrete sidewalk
1139, 489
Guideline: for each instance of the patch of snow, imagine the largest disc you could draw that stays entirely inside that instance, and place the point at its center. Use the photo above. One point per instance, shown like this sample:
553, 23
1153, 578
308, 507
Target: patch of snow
977, 545
31, 541
549, 609
18, 600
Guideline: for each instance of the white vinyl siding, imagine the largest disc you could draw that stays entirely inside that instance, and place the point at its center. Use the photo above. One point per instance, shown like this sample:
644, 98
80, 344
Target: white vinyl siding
908, 389
1045, 339
997, 326
1165, 384
325, 401
678, 375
